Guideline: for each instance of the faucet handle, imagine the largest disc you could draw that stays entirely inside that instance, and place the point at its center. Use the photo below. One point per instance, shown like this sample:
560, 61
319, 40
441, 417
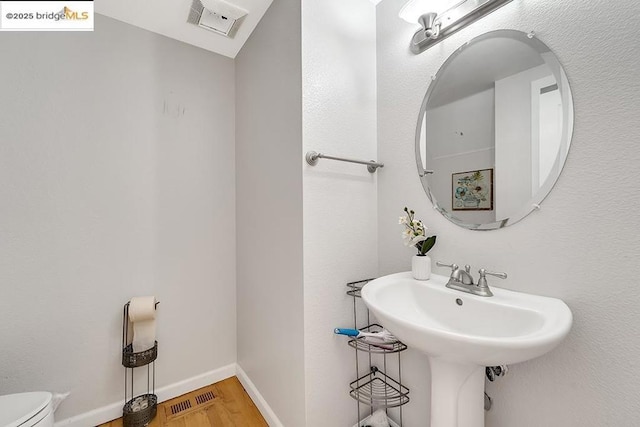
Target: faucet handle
455, 271
482, 281
484, 272
453, 267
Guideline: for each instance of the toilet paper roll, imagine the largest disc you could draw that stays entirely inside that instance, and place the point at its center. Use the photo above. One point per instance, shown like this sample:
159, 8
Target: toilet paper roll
142, 316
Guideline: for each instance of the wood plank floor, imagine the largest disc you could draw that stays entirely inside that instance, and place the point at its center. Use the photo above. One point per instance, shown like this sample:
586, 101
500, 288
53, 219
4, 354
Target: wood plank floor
230, 406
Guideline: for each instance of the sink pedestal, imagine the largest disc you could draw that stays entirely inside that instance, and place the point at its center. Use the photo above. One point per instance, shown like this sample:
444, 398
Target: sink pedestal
457, 394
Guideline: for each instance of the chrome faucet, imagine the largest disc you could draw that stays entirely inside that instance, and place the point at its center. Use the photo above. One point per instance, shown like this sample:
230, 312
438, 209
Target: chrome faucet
464, 276
461, 280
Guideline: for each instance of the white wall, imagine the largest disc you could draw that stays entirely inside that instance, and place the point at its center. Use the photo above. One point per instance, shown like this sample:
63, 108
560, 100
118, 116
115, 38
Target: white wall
581, 247
340, 221
513, 140
462, 142
466, 124
117, 179
269, 211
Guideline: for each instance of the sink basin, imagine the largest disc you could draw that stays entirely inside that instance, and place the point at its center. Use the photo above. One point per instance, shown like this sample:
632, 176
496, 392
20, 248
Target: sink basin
509, 327
462, 333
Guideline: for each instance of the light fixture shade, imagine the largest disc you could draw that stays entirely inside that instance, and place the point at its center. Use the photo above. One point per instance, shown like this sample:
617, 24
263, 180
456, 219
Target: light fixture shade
413, 9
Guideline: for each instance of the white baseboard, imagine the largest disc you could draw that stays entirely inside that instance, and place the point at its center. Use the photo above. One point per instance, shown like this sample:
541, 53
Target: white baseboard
113, 411
264, 408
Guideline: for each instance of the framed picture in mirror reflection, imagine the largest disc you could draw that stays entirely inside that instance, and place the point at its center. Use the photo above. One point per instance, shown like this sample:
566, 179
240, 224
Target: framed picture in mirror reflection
472, 190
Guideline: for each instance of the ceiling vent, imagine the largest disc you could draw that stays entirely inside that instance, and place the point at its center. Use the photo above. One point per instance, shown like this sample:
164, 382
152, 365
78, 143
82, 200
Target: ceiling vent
216, 15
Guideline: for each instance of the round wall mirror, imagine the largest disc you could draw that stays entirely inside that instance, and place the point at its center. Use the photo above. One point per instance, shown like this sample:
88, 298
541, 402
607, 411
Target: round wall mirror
494, 130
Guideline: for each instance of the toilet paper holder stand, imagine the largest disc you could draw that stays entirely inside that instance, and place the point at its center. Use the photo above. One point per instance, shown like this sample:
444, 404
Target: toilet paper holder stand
138, 411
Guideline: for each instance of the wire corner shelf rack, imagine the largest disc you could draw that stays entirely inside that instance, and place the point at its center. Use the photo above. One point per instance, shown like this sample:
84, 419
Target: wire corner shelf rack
374, 387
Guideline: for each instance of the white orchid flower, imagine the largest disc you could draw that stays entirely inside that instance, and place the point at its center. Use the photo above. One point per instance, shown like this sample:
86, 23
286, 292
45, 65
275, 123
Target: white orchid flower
417, 239
414, 232
413, 240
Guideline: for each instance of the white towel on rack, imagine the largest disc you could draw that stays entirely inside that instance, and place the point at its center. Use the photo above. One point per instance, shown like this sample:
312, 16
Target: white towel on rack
378, 419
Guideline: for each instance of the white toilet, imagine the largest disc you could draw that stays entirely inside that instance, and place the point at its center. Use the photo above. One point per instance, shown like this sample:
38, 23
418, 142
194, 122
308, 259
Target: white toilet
26, 410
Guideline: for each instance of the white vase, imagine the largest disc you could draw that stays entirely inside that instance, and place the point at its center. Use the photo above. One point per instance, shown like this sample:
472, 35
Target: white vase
421, 267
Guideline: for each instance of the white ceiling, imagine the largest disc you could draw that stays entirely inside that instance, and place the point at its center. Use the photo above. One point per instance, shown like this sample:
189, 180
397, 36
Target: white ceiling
169, 18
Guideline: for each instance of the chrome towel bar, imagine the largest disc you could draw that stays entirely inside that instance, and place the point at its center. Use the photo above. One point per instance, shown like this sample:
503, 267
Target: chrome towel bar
312, 158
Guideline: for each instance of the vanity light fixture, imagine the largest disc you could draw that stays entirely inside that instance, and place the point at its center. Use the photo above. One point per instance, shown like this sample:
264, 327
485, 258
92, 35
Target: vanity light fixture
441, 18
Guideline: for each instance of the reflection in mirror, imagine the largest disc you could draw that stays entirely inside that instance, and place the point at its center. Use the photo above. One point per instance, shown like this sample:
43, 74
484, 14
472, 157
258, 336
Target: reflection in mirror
494, 130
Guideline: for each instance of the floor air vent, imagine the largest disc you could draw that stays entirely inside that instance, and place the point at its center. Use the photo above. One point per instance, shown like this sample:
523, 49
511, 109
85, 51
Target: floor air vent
180, 407
189, 403
204, 398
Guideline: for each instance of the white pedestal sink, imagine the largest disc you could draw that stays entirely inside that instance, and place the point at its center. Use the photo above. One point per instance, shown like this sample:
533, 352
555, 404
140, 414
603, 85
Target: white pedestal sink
462, 333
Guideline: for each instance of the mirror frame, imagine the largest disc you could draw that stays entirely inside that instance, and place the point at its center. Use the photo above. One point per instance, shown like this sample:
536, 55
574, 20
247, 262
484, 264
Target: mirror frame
567, 129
